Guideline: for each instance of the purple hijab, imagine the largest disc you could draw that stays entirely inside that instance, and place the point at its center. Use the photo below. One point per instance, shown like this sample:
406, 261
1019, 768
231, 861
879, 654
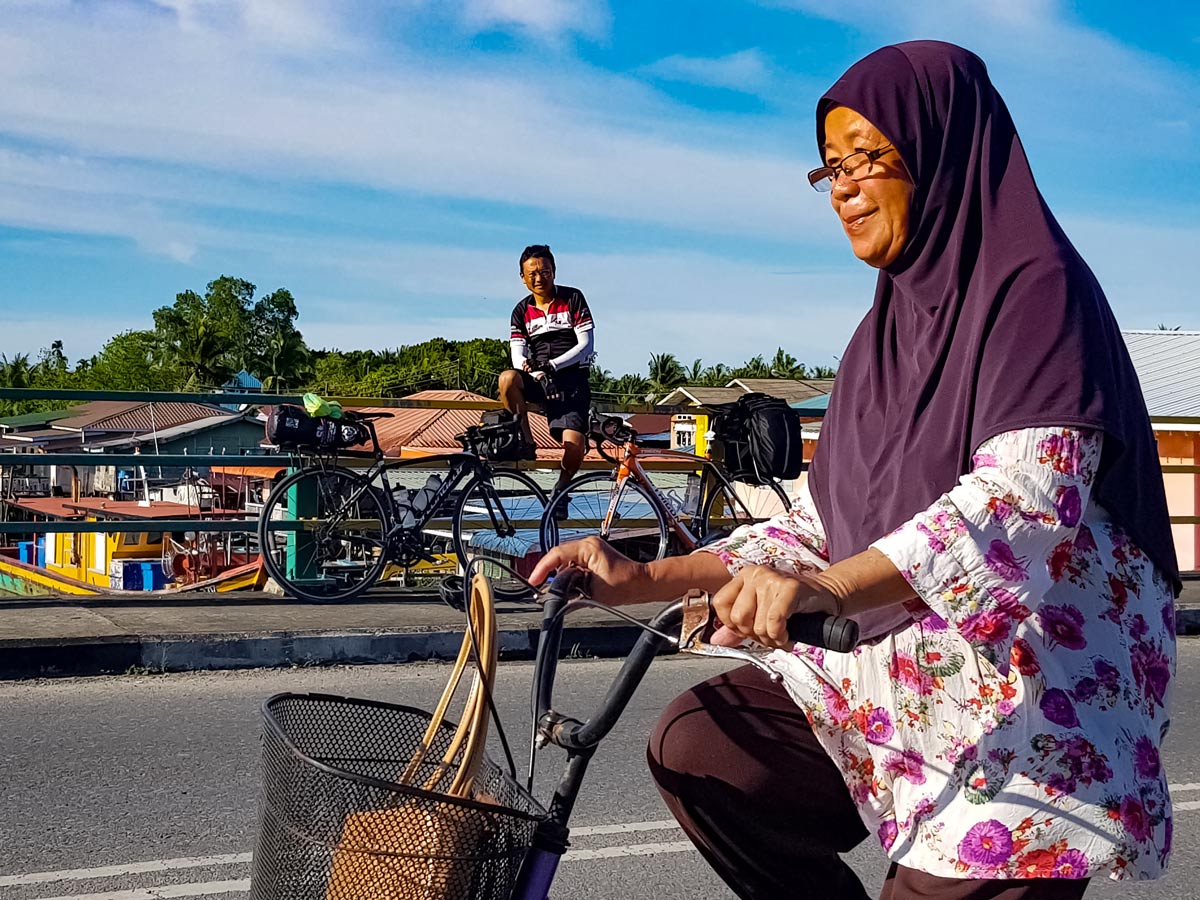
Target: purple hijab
989, 321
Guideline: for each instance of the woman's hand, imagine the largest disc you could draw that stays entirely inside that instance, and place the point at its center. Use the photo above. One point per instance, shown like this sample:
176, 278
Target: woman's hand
616, 579
759, 600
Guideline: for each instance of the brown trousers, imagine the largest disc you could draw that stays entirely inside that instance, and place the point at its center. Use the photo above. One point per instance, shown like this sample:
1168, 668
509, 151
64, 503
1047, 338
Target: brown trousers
742, 772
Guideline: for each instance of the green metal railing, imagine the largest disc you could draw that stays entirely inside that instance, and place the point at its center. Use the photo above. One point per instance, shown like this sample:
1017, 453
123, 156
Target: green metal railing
228, 398
233, 460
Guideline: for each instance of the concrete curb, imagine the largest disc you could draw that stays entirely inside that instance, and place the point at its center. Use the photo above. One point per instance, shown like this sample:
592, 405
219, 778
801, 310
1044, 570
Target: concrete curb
139, 654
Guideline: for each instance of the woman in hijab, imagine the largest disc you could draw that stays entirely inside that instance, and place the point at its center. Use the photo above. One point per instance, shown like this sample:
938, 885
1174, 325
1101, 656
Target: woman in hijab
986, 501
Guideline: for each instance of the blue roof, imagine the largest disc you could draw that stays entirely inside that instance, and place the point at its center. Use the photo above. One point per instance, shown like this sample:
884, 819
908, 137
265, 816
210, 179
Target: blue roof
243, 381
813, 406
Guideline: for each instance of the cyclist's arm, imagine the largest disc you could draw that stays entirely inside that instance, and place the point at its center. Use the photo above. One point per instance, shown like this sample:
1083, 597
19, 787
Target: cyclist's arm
580, 353
520, 352
518, 340
793, 540
617, 580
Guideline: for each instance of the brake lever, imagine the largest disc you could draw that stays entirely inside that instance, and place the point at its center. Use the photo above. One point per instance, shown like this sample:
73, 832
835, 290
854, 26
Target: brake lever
700, 624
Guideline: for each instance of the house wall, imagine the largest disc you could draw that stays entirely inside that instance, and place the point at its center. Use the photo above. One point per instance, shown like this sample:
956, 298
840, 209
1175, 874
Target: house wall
86, 557
1182, 448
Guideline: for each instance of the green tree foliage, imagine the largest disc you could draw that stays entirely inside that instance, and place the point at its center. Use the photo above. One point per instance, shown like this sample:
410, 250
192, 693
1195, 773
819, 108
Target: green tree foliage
131, 361
666, 373
200, 340
208, 338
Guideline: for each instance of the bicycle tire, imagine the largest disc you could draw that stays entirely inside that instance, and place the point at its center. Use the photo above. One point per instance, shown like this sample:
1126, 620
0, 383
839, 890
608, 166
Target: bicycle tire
473, 515
741, 513
322, 568
587, 501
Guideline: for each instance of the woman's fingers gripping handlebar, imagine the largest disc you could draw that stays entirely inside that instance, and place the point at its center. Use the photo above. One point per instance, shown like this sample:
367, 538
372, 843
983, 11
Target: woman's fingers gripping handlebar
776, 609
759, 603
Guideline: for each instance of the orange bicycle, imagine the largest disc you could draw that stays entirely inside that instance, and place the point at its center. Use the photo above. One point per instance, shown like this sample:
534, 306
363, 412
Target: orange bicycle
645, 520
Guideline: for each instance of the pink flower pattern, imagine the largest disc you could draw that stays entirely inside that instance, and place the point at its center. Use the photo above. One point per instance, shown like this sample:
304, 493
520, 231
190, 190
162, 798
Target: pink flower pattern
1035, 668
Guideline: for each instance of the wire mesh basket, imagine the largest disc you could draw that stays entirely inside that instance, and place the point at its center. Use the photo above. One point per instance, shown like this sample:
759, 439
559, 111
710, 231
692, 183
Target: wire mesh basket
335, 823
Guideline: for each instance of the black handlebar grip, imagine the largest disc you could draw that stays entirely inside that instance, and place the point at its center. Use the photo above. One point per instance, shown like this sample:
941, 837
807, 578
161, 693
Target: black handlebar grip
568, 582
821, 630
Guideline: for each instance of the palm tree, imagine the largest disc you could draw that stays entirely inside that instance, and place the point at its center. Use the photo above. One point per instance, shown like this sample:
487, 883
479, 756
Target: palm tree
716, 375
201, 358
285, 363
755, 367
784, 365
601, 380
16, 371
666, 373
631, 389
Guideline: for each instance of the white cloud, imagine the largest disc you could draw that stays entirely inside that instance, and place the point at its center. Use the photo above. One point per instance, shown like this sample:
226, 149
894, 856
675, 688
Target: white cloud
548, 20
153, 92
746, 70
295, 25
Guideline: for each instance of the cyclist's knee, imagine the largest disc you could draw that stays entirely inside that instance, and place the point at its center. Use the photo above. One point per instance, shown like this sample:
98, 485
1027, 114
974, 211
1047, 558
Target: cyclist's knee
510, 380
683, 728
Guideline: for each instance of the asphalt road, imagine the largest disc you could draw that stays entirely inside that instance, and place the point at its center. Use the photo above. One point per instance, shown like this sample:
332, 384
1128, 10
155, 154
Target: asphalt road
142, 788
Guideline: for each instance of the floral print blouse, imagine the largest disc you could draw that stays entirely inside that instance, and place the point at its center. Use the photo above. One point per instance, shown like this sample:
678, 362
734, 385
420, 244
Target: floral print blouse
1007, 722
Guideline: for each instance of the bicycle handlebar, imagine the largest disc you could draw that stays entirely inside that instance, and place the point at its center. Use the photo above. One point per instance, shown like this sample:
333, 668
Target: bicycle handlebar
816, 629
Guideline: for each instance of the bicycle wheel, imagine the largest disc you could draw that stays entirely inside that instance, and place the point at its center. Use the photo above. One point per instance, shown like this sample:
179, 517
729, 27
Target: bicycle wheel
726, 508
322, 535
497, 518
638, 528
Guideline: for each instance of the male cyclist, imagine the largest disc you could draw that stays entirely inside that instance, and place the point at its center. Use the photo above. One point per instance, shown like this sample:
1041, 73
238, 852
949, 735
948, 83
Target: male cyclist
551, 342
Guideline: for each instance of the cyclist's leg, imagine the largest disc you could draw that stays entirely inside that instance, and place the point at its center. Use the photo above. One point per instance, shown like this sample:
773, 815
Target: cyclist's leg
568, 415
908, 884
742, 772
574, 447
517, 391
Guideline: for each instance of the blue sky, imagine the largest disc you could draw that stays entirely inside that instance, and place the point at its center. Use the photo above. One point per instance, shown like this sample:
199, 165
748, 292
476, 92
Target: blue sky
387, 161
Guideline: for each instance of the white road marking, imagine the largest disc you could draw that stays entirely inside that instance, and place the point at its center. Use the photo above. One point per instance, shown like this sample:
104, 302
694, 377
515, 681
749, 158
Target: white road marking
1190, 786
136, 868
230, 859
629, 850
1190, 804
626, 828
242, 885
166, 892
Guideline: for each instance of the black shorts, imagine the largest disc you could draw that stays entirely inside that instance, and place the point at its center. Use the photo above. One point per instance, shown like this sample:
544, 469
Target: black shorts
568, 411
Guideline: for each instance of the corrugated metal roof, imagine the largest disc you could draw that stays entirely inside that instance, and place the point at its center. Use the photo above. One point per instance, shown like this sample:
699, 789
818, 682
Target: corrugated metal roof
34, 418
125, 415
1168, 366
199, 426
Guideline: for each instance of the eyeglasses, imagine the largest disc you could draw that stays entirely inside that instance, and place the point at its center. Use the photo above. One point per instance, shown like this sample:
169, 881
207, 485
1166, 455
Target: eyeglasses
538, 273
856, 165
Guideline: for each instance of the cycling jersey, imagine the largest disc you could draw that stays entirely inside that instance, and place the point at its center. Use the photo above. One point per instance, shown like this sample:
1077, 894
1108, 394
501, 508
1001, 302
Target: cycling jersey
546, 335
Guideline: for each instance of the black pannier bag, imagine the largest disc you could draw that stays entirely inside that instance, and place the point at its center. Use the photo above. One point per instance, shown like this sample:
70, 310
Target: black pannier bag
290, 427
500, 435
761, 436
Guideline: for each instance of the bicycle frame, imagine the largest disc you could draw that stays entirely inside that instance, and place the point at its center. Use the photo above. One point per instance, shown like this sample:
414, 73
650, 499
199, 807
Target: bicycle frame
579, 739
629, 466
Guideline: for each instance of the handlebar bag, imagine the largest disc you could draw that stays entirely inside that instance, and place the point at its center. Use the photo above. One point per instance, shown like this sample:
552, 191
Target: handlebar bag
762, 439
500, 436
291, 427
